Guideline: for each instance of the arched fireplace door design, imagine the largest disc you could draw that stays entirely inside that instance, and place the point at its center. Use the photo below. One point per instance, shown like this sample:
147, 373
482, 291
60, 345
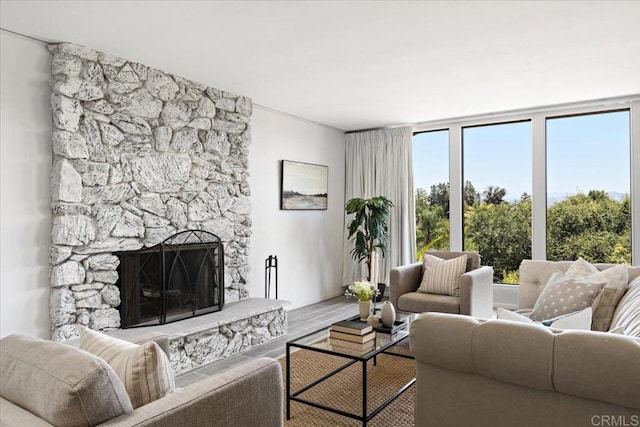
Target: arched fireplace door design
179, 278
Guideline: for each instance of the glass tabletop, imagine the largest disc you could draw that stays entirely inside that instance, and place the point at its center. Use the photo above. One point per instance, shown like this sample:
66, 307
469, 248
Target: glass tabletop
322, 342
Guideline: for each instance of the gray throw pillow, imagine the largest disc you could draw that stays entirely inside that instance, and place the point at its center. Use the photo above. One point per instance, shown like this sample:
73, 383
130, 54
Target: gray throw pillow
63, 385
564, 294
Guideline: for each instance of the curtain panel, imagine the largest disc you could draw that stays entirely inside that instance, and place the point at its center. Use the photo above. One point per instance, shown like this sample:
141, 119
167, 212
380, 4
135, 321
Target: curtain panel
379, 163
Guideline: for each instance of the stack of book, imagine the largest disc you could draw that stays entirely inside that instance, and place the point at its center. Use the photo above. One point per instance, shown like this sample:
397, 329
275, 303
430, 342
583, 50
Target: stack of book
352, 335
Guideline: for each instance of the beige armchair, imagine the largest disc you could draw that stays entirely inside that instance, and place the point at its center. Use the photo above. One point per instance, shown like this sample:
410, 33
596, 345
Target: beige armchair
476, 289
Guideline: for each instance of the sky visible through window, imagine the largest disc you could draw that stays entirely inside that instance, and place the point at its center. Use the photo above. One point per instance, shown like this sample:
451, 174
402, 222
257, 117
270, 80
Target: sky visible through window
584, 153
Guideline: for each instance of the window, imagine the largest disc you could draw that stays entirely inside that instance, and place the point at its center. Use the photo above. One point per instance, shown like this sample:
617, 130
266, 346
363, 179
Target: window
431, 183
550, 183
588, 187
497, 164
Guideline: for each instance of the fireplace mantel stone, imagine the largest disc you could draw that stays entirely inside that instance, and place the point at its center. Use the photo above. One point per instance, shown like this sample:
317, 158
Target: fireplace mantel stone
138, 155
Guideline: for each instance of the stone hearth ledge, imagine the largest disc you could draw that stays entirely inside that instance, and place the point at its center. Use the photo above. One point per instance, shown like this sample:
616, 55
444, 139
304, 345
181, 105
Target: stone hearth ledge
204, 339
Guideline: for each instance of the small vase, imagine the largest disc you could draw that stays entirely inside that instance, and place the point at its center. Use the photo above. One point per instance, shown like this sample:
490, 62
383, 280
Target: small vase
388, 314
365, 309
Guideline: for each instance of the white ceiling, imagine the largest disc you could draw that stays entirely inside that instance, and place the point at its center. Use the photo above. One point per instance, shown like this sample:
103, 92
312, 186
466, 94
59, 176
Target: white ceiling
365, 64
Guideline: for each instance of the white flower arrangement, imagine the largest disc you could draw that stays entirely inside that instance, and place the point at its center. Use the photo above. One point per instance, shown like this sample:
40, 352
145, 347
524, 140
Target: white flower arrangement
363, 291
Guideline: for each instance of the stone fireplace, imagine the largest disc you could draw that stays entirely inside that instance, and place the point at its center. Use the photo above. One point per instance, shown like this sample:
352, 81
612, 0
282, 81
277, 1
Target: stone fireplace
139, 155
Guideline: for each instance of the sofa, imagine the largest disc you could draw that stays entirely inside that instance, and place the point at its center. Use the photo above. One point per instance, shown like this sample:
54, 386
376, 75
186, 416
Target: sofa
475, 296
501, 373
45, 383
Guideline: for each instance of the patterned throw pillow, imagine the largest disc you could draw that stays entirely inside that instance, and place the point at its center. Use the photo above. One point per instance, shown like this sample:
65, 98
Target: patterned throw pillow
564, 294
441, 276
615, 279
144, 369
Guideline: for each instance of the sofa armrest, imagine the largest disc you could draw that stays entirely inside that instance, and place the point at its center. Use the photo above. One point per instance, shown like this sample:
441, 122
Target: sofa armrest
159, 338
248, 395
476, 293
404, 279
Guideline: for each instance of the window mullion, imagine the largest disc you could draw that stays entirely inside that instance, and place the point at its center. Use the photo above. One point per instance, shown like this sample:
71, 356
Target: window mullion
635, 182
455, 187
539, 187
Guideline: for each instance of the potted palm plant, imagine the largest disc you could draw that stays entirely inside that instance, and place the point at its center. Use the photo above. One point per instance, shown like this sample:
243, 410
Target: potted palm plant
368, 228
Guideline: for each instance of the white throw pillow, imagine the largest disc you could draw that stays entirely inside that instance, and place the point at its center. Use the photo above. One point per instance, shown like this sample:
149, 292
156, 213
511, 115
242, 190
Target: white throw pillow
441, 276
144, 369
581, 267
578, 320
504, 314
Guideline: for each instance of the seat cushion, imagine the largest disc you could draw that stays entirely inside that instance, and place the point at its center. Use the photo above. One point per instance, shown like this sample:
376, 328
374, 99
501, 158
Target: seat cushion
418, 302
59, 383
144, 369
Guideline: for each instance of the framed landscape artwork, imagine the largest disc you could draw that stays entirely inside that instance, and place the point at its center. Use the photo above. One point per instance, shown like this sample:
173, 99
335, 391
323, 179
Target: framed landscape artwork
304, 186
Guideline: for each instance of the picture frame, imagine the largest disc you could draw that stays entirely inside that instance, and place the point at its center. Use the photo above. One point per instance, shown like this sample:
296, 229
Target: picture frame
304, 186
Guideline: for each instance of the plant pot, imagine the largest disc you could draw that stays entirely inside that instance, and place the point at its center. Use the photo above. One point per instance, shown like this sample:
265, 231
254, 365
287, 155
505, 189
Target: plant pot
365, 309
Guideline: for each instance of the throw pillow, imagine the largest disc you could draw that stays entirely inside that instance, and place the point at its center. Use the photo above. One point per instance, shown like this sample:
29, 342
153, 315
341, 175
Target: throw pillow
581, 267
627, 314
578, 320
144, 369
616, 279
504, 314
564, 294
63, 385
441, 276
619, 330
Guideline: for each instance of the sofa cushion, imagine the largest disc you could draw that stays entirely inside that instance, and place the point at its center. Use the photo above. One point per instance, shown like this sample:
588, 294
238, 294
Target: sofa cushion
564, 294
500, 352
627, 313
443, 340
144, 369
418, 302
441, 276
11, 415
58, 383
598, 366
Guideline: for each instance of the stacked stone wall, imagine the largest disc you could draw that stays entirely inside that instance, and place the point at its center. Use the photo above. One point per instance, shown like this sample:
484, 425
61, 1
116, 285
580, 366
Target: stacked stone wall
138, 155
200, 348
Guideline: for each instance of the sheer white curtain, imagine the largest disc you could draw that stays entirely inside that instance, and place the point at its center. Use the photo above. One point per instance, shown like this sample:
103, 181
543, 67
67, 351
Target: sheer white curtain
379, 163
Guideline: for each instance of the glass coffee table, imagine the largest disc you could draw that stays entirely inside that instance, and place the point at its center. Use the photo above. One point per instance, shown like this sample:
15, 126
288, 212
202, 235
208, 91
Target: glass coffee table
319, 341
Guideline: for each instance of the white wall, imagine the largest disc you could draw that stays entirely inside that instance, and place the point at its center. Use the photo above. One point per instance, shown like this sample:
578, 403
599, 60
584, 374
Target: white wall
308, 244
25, 165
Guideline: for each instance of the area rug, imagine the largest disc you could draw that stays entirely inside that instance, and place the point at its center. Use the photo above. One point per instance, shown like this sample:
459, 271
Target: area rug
344, 390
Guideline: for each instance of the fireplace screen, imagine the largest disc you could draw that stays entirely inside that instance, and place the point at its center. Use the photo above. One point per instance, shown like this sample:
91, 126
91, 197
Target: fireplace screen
179, 278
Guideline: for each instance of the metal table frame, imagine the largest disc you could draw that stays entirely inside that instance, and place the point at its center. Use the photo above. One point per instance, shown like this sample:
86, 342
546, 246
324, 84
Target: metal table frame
364, 417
